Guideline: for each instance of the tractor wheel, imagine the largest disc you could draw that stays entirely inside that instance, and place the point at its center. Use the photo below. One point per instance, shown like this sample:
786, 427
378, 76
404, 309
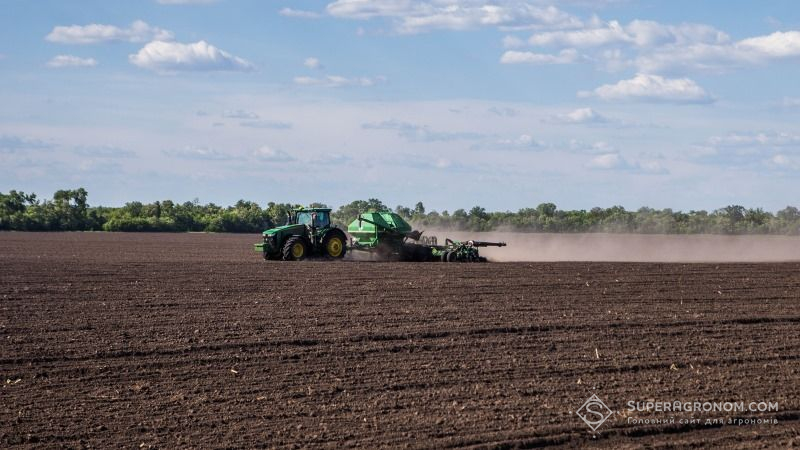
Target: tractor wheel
334, 245
295, 249
452, 257
444, 256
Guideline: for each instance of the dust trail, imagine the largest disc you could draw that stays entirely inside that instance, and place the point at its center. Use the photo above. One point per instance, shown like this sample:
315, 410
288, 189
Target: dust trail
632, 247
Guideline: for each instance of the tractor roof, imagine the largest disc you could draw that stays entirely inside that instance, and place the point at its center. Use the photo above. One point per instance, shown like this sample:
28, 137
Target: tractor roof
301, 209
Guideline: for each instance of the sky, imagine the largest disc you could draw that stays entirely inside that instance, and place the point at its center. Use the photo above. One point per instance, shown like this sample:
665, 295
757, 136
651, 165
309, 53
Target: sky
503, 104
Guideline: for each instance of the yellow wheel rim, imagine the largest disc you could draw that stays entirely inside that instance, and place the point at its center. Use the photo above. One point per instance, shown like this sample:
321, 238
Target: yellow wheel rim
335, 247
298, 250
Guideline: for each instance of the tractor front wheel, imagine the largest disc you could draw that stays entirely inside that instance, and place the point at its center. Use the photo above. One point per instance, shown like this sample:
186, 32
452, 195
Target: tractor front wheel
295, 249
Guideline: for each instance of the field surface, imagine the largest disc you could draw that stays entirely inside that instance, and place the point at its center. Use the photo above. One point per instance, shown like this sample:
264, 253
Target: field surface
192, 340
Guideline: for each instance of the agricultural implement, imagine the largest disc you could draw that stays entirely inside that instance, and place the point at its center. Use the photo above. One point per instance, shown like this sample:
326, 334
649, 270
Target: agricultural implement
383, 234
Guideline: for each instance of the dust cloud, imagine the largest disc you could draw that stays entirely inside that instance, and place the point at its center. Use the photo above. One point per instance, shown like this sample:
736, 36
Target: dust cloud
631, 247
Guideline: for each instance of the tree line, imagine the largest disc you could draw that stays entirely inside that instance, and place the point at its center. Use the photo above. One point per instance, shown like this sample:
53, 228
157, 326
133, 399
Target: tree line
69, 211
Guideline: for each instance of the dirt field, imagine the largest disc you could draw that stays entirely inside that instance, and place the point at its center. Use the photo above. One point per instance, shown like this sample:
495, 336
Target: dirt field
192, 340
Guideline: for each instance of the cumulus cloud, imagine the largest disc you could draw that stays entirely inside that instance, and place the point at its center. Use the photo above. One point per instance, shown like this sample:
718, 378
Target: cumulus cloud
652, 88
199, 153
790, 102
139, 31
71, 61
781, 161
596, 147
566, 56
239, 114
419, 133
608, 161
721, 57
653, 47
338, 81
312, 63
746, 148
579, 116
756, 139
162, 56
415, 16
269, 154
299, 13
776, 45
521, 142
638, 33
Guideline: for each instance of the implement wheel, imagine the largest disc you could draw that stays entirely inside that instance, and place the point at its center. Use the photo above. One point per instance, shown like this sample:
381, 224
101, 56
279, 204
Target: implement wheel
334, 245
295, 249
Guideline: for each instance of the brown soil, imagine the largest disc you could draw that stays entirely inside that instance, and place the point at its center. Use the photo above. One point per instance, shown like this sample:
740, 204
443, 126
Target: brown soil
193, 340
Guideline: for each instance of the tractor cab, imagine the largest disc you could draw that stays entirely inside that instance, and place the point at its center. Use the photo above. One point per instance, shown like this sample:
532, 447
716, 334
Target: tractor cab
314, 218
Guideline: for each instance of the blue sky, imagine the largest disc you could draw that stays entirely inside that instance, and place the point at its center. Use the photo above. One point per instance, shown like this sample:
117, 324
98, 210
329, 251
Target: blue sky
503, 104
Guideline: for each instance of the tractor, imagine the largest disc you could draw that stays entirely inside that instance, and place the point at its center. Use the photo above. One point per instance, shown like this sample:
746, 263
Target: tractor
307, 233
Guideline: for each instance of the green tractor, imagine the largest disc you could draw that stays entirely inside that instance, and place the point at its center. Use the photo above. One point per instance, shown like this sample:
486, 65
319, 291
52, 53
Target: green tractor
308, 233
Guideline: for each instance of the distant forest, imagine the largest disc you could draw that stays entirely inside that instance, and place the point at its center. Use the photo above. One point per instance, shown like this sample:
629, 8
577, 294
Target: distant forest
69, 211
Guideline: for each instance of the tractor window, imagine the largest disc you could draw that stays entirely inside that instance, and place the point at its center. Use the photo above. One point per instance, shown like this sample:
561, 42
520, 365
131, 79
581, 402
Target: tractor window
304, 218
320, 219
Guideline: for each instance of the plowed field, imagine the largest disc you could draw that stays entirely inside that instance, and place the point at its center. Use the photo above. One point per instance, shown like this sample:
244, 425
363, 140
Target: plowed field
193, 340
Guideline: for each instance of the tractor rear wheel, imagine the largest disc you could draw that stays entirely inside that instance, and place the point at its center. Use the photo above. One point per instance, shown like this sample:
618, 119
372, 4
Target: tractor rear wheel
295, 249
334, 245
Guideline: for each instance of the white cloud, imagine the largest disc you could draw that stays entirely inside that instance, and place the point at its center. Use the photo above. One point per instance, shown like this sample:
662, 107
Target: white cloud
338, 81
653, 47
782, 161
199, 153
790, 102
608, 161
166, 57
312, 63
723, 57
567, 56
521, 142
775, 45
299, 13
71, 61
416, 16
269, 154
579, 116
639, 33
596, 147
239, 114
653, 88
420, 133
756, 139
139, 31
